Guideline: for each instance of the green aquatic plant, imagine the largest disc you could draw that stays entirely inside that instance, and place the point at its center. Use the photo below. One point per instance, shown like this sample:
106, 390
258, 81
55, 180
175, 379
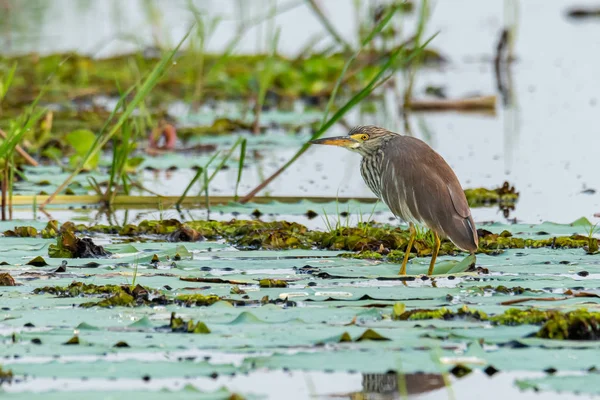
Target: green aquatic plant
123, 147
574, 325
400, 313
6, 376
197, 299
10, 140
384, 73
504, 196
368, 240
106, 134
76, 289
6, 80
125, 295
203, 171
590, 230
68, 245
579, 324
272, 283
177, 324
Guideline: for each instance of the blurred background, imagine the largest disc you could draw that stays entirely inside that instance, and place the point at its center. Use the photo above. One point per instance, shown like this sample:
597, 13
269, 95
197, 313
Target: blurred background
535, 59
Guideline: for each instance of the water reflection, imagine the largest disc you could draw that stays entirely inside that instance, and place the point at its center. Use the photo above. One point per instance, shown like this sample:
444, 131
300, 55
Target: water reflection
391, 386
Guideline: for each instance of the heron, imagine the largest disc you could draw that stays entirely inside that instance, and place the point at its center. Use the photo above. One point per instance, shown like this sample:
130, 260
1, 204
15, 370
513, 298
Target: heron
415, 182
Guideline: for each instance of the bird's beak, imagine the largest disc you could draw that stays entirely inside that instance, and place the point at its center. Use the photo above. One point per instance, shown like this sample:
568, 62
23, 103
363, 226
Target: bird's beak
342, 141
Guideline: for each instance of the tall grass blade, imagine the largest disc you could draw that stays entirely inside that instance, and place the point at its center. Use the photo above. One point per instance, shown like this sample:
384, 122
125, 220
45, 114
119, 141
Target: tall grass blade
240, 166
222, 163
412, 70
198, 175
392, 61
143, 91
265, 80
7, 82
376, 30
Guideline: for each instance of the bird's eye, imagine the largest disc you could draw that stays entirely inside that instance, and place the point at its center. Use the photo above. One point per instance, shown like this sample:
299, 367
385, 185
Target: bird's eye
364, 137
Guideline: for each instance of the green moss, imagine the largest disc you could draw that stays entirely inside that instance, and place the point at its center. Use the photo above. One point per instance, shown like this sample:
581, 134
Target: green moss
441, 313
235, 289
363, 255
121, 299
124, 295
272, 283
76, 289
504, 196
574, 325
400, 313
22, 231
501, 289
371, 241
177, 324
197, 299
517, 316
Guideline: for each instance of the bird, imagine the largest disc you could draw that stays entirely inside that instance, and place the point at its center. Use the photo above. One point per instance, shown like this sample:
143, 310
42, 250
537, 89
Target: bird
415, 182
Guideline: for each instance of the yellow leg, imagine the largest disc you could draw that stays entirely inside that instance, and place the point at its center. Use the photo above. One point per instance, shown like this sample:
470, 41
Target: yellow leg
413, 233
435, 253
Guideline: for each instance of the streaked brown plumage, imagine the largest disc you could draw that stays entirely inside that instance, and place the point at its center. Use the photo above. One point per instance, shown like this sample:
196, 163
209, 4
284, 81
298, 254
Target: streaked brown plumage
415, 182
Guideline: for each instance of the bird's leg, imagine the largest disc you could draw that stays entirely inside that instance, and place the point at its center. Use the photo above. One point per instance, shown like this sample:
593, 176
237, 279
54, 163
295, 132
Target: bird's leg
435, 253
411, 240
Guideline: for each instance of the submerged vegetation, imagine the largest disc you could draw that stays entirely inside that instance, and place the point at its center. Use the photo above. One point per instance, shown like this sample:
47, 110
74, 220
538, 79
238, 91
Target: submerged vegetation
371, 240
579, 324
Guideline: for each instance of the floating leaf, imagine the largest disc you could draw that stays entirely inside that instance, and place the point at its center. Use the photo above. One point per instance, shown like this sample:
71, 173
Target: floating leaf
82, 141
84, 326
38, 262
143, 322
370, 334
398, 310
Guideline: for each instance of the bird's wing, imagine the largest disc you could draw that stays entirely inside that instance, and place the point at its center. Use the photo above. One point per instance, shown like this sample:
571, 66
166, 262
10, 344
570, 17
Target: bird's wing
420, 184
459, 201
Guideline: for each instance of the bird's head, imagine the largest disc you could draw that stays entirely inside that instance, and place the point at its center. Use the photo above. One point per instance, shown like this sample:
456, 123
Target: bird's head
361, 139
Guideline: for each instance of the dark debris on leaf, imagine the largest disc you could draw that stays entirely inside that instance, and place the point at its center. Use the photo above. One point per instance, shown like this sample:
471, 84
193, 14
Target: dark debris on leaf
460, 371
38, 262
69, 246
7, 280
